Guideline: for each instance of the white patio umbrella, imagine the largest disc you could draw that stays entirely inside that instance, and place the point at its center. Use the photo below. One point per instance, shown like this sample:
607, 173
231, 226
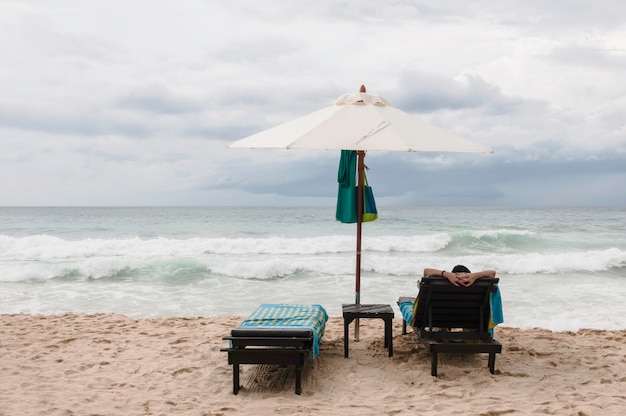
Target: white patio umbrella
360, 122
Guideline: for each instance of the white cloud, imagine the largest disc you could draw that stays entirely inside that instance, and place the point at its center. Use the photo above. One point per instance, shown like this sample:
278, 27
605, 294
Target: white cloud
130, 103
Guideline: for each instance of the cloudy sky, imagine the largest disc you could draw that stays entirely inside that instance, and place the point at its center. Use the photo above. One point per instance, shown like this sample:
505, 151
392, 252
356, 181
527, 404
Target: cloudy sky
111, 102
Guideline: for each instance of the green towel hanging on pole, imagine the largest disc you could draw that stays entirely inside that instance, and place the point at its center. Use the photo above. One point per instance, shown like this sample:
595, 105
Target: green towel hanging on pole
346, 176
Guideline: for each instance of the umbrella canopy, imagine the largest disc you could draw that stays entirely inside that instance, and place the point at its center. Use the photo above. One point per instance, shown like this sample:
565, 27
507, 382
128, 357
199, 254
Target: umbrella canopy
360, 122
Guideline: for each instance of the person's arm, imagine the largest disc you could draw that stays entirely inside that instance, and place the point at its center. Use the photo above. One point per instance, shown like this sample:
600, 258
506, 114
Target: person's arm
452, 277
460, 279
468, 279
432, 272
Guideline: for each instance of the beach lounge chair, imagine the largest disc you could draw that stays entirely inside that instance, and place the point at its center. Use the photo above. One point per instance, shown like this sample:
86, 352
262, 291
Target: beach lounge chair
277, 334
451, 319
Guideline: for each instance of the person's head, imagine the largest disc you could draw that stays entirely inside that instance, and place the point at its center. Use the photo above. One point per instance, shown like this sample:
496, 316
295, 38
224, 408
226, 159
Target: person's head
459, 268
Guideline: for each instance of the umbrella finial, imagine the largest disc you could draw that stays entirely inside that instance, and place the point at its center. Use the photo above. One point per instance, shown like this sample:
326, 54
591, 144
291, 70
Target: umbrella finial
362, 88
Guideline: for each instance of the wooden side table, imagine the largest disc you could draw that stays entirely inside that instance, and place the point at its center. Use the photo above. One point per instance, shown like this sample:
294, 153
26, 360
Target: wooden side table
352, 311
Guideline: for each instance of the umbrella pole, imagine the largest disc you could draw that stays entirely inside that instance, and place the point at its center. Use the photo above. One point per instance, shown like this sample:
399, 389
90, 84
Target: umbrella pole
359, 223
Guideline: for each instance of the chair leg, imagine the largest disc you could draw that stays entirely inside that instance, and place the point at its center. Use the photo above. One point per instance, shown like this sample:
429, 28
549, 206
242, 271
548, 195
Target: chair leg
433, 365
492, 362
298, 379
235, 378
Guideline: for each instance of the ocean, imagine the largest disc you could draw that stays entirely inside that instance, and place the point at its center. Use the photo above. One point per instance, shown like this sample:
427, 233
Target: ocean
559, 268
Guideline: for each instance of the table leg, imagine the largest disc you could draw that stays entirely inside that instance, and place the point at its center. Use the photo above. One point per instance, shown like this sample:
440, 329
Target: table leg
389, 335
386, 332
346, 324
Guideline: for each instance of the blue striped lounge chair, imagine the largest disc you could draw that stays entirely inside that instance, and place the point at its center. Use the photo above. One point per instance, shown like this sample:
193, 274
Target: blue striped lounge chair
281, 334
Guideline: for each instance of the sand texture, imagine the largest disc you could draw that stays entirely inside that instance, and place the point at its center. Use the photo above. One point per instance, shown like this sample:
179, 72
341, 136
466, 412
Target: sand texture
109, 364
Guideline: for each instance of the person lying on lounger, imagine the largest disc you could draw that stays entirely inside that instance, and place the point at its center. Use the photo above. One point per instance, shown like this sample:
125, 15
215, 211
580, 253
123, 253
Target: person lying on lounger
460, 275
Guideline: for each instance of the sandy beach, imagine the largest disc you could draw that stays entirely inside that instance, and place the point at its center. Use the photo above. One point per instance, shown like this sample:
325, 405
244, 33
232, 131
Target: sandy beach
109, 364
